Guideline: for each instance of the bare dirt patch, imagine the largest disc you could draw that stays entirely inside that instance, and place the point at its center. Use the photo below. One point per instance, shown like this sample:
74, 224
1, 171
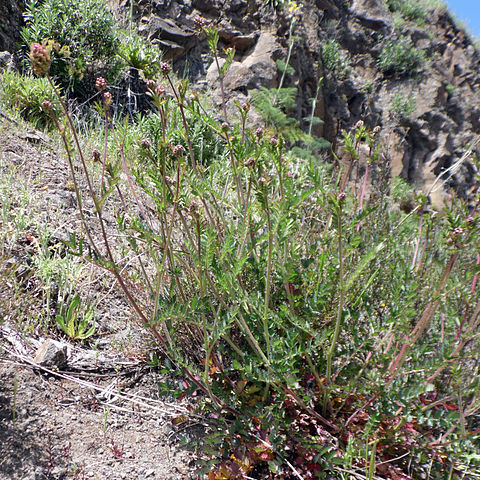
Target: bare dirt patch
102, 415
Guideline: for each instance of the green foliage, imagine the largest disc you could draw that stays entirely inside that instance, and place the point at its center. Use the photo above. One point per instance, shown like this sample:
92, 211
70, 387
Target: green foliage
333, 59
401, 190
76, 322
140, 54
206, 144
274, 104
398, 21
411, 9
280, 4
81, 37
435, 4
399, 56
450, 89
326, 329
403, 105
415, 10
26, 95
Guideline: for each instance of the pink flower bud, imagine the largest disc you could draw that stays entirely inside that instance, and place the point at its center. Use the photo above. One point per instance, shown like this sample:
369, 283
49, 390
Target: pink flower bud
178, 150
107, 99
262, 181
100, 84
165, 68
47, 106
151, 85
199, 22
160, 90
146, 143
193, 208
40, 59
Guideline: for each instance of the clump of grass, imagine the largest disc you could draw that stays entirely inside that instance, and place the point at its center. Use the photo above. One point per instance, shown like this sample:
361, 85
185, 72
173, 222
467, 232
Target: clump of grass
35, 273
415, 10
411, 9
26, 94
330, 333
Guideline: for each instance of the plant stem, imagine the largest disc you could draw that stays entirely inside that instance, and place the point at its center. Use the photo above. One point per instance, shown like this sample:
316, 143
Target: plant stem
340, 302
268, 277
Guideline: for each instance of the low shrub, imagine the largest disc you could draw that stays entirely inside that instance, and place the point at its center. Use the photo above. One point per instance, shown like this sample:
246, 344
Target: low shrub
399, 56
140, 54
412, 9
81, 37
333, 60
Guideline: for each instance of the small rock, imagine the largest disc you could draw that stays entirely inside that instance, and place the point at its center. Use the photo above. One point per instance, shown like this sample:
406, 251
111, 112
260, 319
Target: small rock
34, 136
6, 60
149, 472
52, 354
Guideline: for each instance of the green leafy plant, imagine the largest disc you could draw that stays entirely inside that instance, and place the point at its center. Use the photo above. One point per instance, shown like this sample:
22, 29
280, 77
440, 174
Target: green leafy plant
333, 60
398, 21
75, 320
450, 89
330, 334
400, 57
411, 9
26, 95
403, 105
140, 54
80, 36
274, 104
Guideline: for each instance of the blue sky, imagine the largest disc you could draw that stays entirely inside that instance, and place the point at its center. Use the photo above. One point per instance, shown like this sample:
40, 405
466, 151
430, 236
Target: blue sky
469, 12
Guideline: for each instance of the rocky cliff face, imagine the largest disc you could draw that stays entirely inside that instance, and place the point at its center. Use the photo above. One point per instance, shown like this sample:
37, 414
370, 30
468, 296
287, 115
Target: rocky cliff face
429, 110
10, 21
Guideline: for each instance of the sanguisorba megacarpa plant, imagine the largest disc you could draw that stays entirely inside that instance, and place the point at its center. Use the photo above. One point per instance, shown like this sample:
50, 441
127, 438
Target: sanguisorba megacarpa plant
252, 272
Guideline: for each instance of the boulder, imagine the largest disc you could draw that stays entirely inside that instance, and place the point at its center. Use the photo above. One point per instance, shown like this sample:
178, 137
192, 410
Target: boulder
154, 27
171, 50
257, 69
